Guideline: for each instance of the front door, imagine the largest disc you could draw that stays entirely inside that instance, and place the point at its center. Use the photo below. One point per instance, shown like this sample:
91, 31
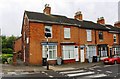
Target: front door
76, 53
82, 55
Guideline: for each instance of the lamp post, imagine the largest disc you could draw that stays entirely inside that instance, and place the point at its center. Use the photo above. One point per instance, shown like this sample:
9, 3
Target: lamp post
47, 35
47, 56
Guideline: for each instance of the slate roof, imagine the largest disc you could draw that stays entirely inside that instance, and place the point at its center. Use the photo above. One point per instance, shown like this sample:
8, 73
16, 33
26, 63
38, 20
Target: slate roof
112, 28
58, 19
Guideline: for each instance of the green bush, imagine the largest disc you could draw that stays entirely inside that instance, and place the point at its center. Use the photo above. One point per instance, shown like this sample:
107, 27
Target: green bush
6, 58
9, 60
7, 55
7, 51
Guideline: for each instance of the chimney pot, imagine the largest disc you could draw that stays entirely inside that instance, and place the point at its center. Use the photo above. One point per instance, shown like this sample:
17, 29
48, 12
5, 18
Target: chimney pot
47, 9
78, 15
101, 20
117, 24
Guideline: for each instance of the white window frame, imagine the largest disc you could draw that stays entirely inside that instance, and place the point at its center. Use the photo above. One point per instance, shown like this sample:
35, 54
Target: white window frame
91, 51
115, 38
89, 35
67, 32
69, 52
99, 34
27, 40
104, 52
115, 51
44, 52
49, 27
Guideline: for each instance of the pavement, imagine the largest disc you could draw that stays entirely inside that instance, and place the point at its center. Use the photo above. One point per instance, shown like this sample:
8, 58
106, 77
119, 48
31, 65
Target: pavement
75, 65
8, 69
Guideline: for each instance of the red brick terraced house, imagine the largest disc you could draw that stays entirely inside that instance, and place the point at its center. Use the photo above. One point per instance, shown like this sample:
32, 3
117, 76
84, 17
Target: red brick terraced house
72, 39
108, 41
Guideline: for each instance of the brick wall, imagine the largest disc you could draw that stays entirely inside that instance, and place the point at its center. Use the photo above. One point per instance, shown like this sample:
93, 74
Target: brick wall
37, 36
18, 45
83, 37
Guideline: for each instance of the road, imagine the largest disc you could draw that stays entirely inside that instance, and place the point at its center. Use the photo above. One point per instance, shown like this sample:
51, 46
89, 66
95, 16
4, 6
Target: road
95, 72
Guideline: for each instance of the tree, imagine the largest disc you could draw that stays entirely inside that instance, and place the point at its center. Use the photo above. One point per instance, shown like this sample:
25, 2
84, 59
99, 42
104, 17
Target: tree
4, 41
7, 44
10, 41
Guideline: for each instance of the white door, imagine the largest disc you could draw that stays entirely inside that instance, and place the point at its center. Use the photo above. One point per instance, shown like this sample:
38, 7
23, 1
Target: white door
82, 55
76, 53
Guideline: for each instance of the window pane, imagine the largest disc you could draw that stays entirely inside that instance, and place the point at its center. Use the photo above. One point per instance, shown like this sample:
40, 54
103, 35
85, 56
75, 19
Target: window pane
50, 47
71, 54
54, 47
101, 35
68, 52
45, 47
48, 31
114, 38
66, 32
103, 51
54, 54
44, 52
89, 35
50, 55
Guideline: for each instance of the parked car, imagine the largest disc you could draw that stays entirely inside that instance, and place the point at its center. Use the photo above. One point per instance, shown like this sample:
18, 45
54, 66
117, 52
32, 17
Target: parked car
112, 60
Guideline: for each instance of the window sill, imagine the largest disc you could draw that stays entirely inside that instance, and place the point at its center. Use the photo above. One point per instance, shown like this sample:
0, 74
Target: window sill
48, 37
68, 58
101, 40
89, 41
52, 59
67, 38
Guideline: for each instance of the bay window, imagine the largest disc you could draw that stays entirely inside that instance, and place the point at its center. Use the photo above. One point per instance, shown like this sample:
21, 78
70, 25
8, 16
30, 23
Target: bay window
52, 52
68, 52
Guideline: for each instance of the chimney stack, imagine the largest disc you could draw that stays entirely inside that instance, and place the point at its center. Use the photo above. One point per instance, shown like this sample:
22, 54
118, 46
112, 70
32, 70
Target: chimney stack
101, 20
47, 9
78, 15
117, 24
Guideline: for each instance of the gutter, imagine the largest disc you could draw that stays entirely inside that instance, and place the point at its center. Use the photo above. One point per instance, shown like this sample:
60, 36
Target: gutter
53, 22
113, 32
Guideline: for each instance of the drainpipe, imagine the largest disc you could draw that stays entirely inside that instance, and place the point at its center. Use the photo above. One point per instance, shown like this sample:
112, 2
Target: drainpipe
95, 37
60, 38
98, 56
119, 38
24, 52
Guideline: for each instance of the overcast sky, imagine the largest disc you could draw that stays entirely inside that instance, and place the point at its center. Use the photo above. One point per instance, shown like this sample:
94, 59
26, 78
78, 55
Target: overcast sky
11, 11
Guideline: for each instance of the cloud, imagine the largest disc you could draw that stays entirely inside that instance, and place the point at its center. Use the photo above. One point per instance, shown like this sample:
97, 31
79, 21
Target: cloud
11, 14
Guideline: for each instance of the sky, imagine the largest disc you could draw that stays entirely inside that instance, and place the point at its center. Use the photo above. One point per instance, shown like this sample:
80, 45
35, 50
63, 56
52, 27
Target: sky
11, 11
119, 10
